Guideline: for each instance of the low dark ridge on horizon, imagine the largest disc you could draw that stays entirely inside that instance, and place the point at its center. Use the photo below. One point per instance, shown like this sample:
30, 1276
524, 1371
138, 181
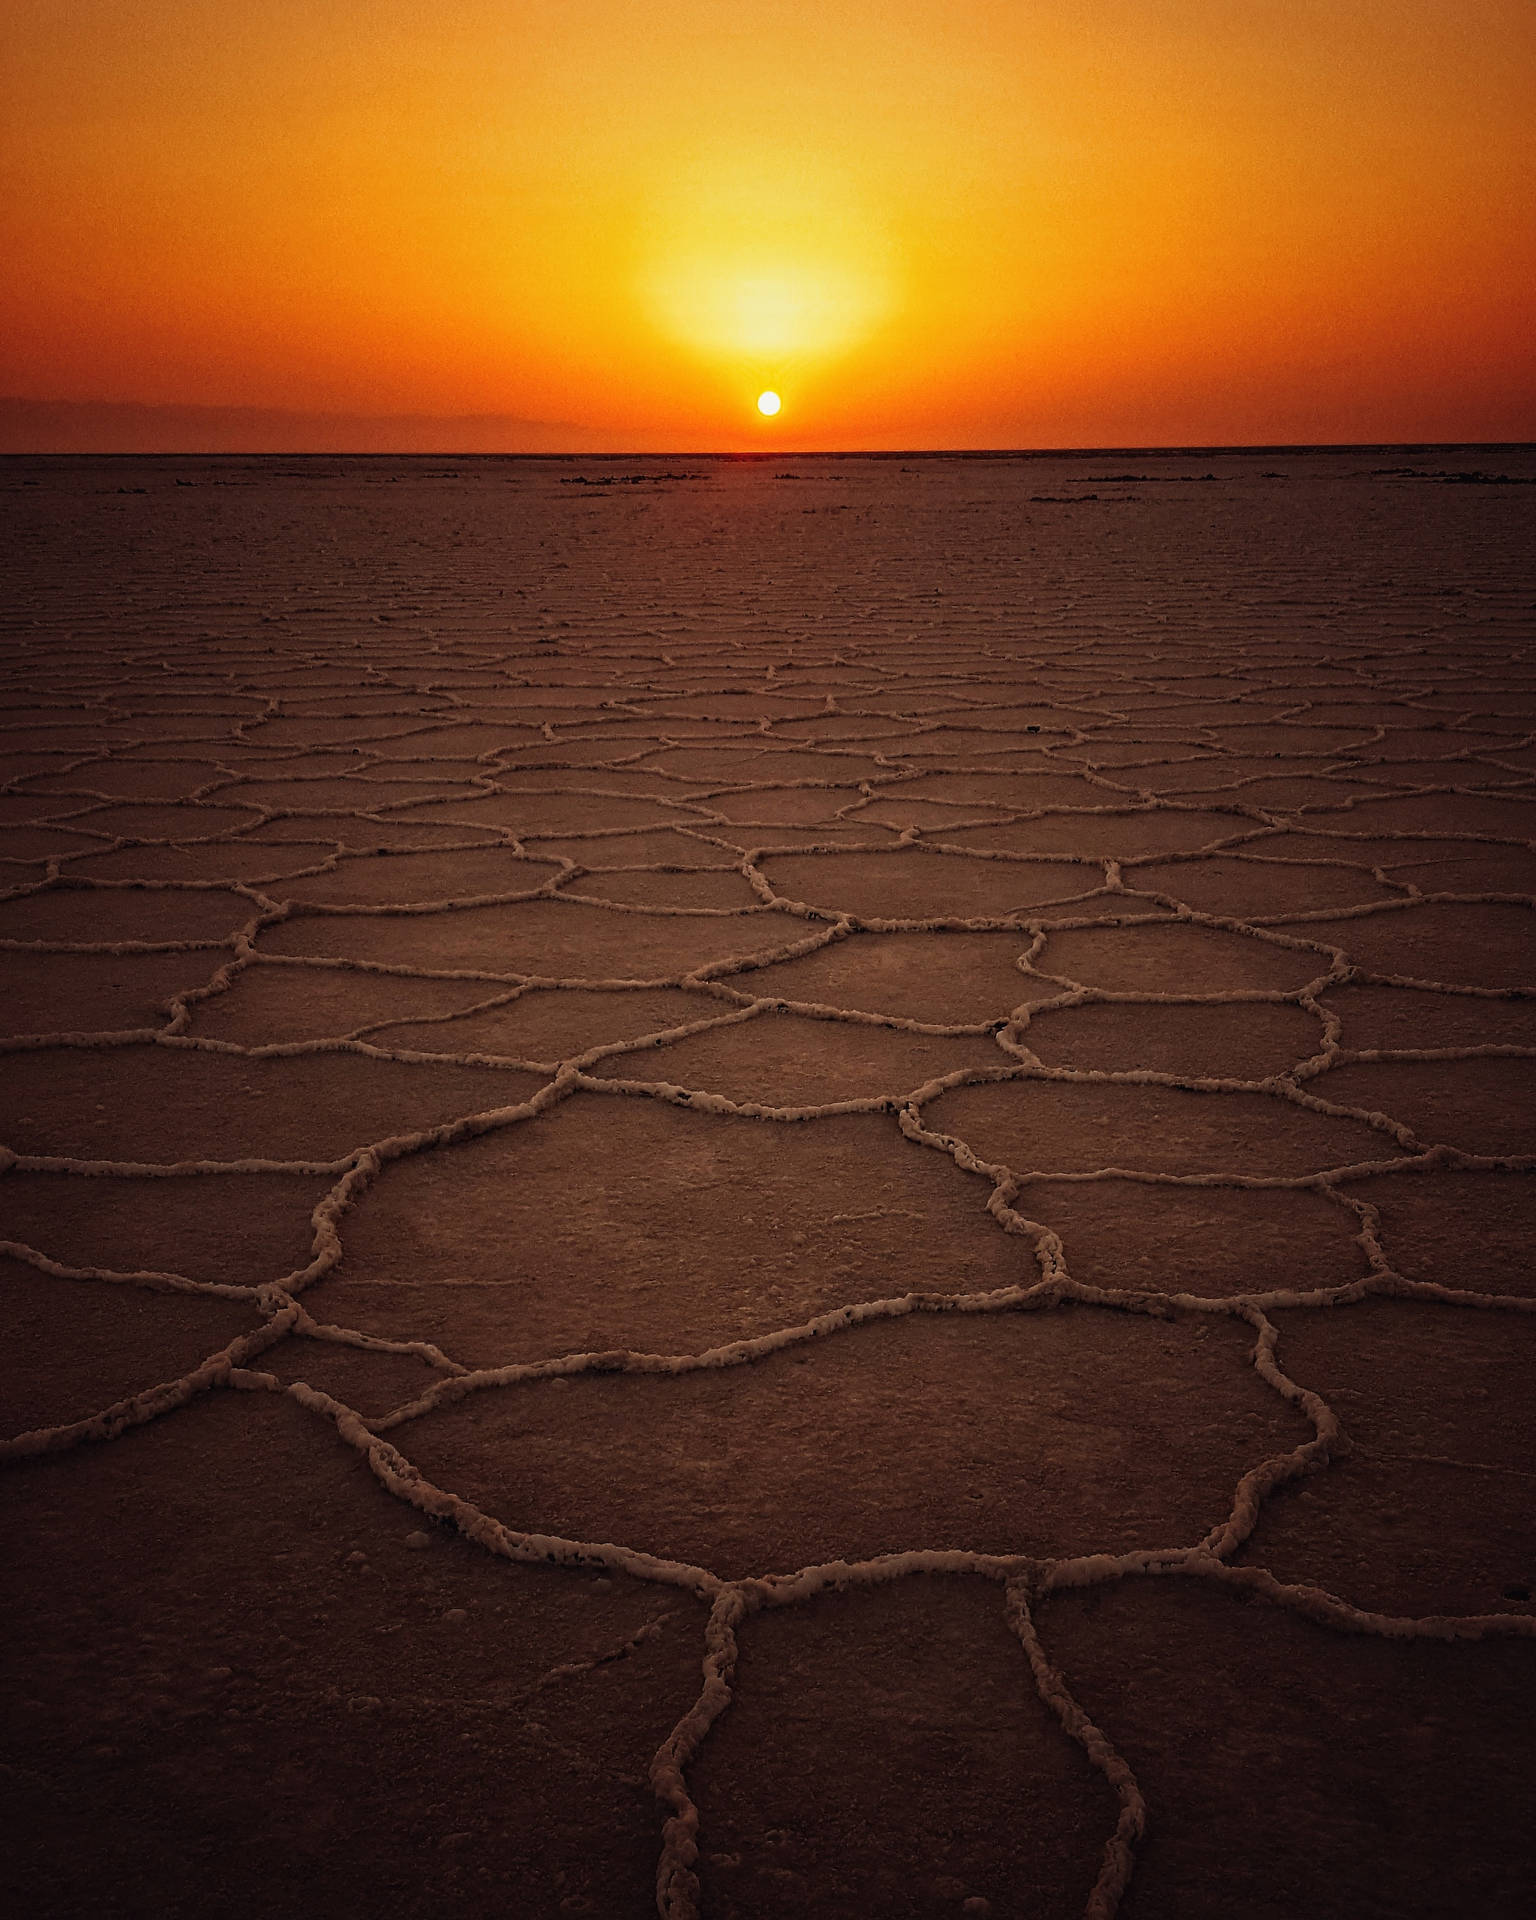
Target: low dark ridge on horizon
1172, 450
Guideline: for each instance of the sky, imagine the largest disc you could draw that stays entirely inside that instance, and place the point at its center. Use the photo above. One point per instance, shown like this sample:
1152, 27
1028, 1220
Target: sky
613, 223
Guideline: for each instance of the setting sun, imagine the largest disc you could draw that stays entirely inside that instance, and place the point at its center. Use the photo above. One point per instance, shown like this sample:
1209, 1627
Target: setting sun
768, 402
556, 228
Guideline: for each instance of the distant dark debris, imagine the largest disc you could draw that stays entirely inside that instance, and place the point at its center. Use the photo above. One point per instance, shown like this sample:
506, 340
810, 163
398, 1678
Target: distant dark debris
623, 479
1447, 479
1144, 479
1080, 499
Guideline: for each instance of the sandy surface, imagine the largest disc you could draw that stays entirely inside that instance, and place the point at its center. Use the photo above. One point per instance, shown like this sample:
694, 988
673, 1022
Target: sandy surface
756, 1191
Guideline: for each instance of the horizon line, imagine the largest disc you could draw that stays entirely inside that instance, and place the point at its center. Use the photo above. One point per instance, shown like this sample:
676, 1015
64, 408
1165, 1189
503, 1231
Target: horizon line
1000, 452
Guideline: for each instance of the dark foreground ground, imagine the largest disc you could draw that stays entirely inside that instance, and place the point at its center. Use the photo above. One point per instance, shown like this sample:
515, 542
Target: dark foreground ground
776, 1189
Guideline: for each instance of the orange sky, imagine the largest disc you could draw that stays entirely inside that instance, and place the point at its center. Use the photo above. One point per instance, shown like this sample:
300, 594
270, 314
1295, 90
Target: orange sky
925, 222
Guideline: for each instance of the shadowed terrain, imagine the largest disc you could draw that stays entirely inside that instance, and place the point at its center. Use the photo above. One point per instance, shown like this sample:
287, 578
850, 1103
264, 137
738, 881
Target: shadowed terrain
768, 1192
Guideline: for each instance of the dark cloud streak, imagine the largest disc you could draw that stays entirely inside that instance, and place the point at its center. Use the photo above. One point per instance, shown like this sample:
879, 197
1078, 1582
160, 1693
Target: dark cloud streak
86, 426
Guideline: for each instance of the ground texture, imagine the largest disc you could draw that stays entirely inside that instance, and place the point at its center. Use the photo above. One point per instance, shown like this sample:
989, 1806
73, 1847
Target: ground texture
742, 1191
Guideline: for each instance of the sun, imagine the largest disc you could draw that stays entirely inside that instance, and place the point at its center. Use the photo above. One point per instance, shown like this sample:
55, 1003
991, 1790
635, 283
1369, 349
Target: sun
768, 402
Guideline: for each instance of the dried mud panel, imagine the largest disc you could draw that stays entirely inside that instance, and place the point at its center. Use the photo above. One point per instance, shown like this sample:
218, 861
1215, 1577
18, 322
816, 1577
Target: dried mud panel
1259, 889
196, 820
241, 1230
1300, 795
903, 884
267, 1005
606, 781
1480, 1105
1176, 957
994, 707
1194, 774
44, 843
532, 814
458, 740
74, 1347
1434, 743
1475, 869
1057, 1126
1429, 1509
768, 766
1463, 944
1024, 790
1131, 1236
240, 1737
1434, 775
552, 939
162, 1105
96, 992
256, 763
44, 771
658, 847
781, 1060
26, 809
558, 1023
853, 728
1244, 1040
575, 761
881, 1439
727, 891
599, 1224
1327, 743
1409, 857
404, 878
885, 1754
779, 808
817, 836
1406, 1017
350, 794
1503, 819
353, 702
1257, 1738
230, 860
297, 732
425, 775
91, 916
1129, 835
390, 833
133, 779
726, 704
930, 816
1473, 1231
941, 978
177, 703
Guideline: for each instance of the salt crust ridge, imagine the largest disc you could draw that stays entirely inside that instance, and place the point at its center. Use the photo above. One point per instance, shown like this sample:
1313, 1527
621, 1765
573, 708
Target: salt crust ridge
646, 685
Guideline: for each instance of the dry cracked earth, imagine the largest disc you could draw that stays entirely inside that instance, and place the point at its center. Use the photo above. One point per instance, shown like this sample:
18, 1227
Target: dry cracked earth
734, 1191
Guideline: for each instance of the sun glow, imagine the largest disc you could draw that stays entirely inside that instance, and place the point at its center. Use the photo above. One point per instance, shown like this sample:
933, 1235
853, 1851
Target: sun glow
754, 307
769, 402
753, 263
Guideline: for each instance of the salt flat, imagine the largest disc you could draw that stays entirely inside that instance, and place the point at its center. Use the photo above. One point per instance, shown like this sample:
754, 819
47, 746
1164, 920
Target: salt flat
745, 1186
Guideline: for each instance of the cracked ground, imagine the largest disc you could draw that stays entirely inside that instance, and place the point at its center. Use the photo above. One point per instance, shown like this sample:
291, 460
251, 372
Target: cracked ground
739, 1191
